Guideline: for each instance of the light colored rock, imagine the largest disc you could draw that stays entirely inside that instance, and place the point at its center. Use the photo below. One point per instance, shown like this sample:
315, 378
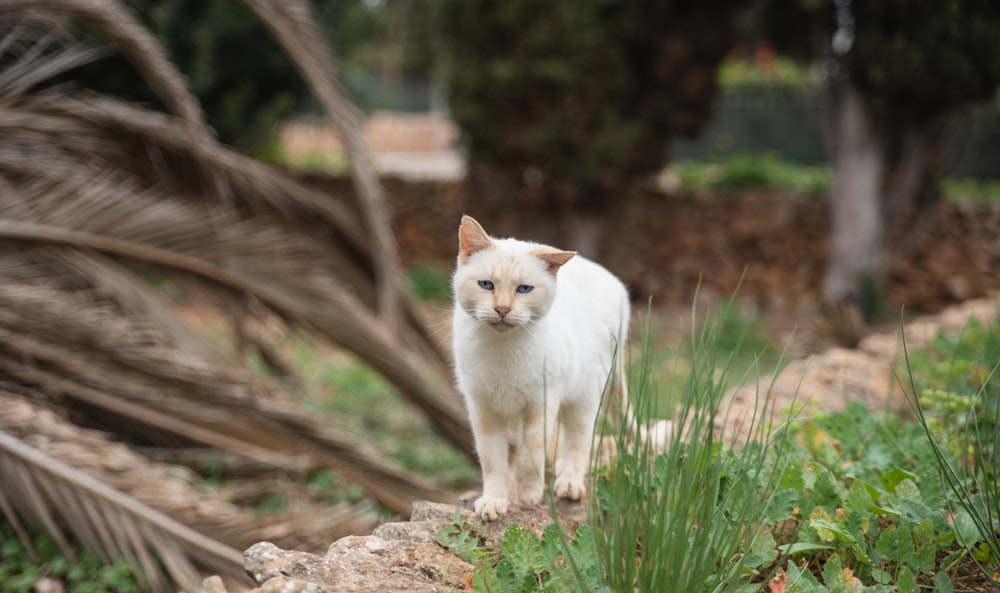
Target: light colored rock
826, 382
409, 559
397, 556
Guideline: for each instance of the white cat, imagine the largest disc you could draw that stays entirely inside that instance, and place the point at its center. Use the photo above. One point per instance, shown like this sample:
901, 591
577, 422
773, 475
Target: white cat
537, 333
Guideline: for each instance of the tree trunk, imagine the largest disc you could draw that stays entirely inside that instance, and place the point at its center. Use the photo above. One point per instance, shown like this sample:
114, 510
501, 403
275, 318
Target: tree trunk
887, 171
858, 229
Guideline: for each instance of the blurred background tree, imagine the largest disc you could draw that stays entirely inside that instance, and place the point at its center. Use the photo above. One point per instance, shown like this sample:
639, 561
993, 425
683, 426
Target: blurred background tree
897, 74
246, 83
567, 105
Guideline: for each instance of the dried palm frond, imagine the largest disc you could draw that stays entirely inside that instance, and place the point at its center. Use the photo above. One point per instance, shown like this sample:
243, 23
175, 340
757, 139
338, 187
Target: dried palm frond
52, 308
100, 174
294, 26
96, 193
840, 323
171, 489
108, 521
134, 41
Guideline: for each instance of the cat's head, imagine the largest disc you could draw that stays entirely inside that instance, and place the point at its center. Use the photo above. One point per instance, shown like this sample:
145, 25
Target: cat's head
504, 283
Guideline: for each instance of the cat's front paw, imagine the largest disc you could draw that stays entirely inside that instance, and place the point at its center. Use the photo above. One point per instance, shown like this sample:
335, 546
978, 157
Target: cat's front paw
490, 507
569, 488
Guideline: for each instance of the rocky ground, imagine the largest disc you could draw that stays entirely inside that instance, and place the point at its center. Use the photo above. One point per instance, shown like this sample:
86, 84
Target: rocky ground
407, 557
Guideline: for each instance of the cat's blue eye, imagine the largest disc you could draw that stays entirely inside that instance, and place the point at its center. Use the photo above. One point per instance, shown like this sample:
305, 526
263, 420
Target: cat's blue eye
525, 288
486, 285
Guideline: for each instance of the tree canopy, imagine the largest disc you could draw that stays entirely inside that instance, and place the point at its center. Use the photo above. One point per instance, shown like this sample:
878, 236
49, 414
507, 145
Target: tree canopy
918, 59
572, 100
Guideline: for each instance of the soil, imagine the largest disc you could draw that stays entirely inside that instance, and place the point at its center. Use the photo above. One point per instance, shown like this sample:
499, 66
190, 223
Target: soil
673, 249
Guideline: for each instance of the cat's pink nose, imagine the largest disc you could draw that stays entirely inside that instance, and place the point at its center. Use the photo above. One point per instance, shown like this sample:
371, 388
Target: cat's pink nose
502, 311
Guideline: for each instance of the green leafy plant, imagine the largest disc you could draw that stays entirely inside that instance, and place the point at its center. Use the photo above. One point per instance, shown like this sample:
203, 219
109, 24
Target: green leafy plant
529, 561
867, 499
972, 190
754, 171
960, 401
764, 68
23, 567
743, 171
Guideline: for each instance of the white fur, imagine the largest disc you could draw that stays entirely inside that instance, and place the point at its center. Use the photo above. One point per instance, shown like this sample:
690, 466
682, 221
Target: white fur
545, 363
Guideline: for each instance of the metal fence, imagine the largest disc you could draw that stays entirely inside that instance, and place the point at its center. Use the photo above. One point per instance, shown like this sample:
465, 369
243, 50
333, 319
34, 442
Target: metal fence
789, 123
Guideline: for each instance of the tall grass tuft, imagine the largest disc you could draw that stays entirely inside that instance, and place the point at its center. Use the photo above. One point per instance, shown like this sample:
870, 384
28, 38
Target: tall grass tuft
691, 517
967, 450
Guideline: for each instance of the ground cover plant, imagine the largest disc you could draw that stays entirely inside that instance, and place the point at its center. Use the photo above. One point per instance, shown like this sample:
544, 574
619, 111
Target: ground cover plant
23, 569
958, 406
845, 501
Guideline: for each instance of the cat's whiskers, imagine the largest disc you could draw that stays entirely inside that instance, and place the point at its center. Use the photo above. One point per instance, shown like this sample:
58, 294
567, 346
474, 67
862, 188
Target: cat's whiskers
440, 332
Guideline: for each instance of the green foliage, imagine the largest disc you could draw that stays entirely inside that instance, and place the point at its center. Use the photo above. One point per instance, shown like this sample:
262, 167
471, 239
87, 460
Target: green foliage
971, 190
865, 496
740, 172
548, 562
960, 389
765, 69
688, 519
579, 97
754, 171
89, 574
429, 283
926, 58
530, 562
244, 81
319, 161
851, 501
918, 59
959, 408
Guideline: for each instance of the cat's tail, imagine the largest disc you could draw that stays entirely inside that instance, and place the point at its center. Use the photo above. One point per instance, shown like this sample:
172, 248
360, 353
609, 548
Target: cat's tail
655, 434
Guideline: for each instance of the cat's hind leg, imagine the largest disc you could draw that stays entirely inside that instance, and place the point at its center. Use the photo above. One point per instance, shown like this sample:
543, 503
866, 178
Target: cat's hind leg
575, 437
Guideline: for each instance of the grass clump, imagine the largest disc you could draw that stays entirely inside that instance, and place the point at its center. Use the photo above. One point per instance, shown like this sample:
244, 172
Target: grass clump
957, 382
687, 519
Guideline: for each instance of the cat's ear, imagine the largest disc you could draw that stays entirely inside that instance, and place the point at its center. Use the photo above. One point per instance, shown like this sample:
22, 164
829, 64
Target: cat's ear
553, 258
472, 238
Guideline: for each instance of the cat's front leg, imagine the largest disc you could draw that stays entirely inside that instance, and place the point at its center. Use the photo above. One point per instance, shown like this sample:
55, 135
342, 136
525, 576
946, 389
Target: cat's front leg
529, 464
491, 442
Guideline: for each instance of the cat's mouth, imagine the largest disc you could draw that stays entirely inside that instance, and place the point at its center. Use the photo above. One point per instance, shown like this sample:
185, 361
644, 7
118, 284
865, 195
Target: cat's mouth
502, 325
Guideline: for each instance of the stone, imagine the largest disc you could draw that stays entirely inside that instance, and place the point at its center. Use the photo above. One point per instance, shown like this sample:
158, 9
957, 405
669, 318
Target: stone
402, 556
397, 557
